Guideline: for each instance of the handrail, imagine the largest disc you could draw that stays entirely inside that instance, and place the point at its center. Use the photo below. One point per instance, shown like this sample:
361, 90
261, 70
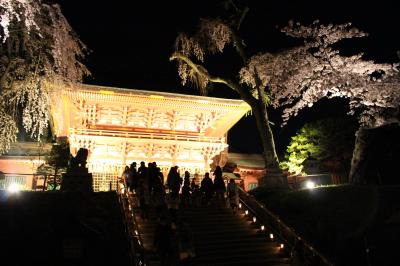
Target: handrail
277, 226
136, 244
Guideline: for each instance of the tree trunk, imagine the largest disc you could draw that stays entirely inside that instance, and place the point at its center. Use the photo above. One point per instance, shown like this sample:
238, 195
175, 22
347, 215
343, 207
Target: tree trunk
375, 155
274, 177
360, 160
357, 170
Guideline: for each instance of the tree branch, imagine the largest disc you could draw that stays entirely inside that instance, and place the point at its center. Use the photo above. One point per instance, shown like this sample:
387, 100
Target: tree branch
238, 44
244, 94
234, 26
245, 10
5, 74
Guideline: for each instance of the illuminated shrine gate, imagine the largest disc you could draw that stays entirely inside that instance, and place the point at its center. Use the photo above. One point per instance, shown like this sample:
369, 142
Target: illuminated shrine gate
119, 126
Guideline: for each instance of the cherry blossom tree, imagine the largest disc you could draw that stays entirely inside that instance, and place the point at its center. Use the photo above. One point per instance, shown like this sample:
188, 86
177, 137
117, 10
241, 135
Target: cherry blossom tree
297, 78
38, 49
212, 37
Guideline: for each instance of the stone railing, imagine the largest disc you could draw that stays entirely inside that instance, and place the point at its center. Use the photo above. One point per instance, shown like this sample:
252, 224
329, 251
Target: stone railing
135, 241
277, 229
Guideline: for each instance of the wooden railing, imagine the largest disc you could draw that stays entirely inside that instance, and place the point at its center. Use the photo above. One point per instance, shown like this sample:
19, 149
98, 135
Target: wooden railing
135, 242
282, 231
146, 135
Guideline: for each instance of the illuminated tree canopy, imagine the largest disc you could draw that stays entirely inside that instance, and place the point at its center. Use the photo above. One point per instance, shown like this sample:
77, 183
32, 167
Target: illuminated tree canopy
329, 140
294, 78
299, 77
303, 145
37, 48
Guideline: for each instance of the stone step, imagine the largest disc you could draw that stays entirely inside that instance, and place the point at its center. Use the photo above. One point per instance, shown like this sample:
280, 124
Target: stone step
249, 249
220, 238
245, 259
223, 227
249, 262
224, 220
249, 243
229, 235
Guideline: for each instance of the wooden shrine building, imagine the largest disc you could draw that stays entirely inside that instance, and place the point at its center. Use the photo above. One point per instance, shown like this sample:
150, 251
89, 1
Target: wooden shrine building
120, 126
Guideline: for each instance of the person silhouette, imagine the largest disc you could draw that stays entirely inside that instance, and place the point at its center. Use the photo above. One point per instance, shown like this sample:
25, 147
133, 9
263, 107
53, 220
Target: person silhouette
207, 189
233, 194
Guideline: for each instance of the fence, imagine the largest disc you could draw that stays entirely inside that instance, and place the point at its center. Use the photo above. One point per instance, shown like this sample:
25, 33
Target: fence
101, 181
104, 181
298, 182
19, 181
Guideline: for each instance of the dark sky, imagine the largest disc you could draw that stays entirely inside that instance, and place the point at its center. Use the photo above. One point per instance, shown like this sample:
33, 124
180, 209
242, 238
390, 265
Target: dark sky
131, 42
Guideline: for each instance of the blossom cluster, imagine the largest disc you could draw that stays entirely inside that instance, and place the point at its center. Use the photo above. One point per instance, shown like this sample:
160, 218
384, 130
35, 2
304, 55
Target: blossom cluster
41, 49
299, 77
212, 37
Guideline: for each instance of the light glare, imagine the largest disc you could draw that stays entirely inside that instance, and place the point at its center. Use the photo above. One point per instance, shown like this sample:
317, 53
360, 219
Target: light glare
310, 184
13, 188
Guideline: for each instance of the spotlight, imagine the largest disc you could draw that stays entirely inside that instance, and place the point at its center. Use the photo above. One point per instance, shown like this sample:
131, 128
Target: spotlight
246, 212
13, 188
282, 246
310, 184
271, 236
262, 228
254, 219
240, 205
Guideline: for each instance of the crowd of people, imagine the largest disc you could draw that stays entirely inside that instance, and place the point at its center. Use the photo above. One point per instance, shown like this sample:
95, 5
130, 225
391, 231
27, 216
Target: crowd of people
173, 233
147, 182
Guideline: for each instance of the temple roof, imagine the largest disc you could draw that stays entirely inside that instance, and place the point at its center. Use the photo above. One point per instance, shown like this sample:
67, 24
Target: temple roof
115, 92
246, 160
215, 115
28, 148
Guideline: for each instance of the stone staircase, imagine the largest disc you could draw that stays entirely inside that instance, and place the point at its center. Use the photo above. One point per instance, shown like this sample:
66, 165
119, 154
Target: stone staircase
146, 231
220, 238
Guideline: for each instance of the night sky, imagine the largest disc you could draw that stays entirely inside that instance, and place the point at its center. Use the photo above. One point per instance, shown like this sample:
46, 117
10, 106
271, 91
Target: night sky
131, 42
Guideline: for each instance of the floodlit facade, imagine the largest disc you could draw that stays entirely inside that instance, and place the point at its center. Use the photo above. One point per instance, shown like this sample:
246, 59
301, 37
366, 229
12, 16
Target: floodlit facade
18, 166
120, 126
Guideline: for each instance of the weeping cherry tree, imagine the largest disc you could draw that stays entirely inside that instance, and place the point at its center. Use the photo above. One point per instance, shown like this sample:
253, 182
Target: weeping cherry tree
214, 36
38, 48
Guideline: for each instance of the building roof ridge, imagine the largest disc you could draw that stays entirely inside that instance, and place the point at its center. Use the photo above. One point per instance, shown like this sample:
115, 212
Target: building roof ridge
93, 87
